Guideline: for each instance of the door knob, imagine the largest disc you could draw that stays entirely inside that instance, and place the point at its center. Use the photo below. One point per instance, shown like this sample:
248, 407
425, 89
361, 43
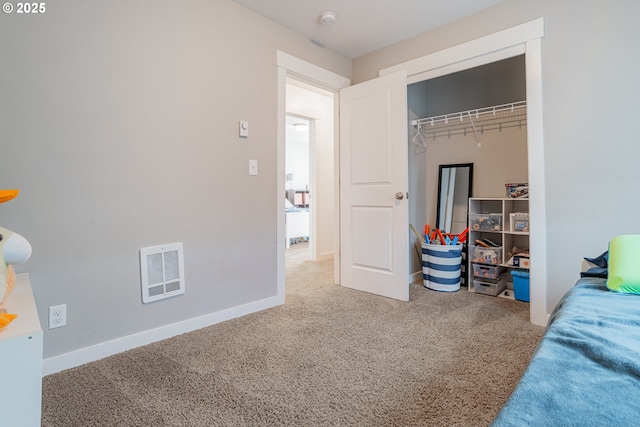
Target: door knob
399, 195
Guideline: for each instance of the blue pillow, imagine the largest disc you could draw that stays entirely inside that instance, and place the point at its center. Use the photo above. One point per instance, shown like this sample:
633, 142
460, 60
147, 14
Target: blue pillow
600, 261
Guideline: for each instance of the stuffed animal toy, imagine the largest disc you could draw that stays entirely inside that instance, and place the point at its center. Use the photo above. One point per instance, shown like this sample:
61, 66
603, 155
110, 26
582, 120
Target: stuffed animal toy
14, 249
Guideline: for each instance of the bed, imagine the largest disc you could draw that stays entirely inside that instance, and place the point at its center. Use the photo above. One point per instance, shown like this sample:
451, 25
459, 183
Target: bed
586, 369
296, 222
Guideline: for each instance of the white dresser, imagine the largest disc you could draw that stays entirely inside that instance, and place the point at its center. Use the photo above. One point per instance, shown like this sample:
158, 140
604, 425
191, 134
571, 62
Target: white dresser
21, 359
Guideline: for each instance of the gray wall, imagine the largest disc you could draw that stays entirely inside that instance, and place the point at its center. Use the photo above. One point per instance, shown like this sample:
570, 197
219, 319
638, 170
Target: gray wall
497, 83
119, 123
590, 94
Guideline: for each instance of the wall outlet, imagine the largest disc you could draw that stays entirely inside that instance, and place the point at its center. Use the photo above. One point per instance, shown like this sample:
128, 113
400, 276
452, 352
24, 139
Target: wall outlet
57, 316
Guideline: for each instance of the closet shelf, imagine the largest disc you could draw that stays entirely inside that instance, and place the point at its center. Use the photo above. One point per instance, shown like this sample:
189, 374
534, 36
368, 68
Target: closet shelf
473, 121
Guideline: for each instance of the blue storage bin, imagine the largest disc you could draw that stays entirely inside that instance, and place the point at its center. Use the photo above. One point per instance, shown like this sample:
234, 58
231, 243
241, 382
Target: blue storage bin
520, 285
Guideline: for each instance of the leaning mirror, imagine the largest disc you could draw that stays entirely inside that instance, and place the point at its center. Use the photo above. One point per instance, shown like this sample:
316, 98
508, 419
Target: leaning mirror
454, 189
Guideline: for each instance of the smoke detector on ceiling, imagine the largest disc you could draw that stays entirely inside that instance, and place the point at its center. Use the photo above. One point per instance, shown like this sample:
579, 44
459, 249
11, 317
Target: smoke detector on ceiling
327, 18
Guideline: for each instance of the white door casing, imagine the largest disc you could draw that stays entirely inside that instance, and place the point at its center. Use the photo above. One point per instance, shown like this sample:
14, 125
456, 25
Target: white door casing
373, 187
290, 66
524, 39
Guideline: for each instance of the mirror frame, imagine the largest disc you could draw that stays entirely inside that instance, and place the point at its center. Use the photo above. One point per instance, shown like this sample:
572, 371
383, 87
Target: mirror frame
451, 166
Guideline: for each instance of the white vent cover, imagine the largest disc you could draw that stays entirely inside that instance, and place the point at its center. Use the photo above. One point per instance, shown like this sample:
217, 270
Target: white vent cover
162, 272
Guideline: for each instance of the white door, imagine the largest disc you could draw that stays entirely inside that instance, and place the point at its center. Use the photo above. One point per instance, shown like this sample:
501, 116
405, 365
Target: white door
374, 222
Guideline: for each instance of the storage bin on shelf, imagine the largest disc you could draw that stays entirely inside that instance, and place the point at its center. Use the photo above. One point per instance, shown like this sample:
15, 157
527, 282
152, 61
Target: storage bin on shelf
489, 286
485, 222
517, 190
519, 221
486, 271
482, 255
521, 261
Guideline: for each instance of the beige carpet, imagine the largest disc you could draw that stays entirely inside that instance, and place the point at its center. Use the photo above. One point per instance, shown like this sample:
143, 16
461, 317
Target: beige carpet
330, 356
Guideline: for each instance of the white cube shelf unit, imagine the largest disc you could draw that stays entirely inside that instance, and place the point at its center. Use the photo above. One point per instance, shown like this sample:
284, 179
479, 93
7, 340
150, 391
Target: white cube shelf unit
492, 219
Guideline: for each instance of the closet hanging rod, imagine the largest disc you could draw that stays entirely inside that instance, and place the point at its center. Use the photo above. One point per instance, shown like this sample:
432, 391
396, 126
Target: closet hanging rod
473, 114
468, 131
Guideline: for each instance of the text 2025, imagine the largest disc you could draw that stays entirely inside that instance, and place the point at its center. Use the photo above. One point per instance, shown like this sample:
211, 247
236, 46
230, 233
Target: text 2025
31, 7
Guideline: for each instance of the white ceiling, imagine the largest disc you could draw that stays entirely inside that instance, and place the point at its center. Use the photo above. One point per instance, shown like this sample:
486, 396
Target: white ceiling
363, 26
296, 136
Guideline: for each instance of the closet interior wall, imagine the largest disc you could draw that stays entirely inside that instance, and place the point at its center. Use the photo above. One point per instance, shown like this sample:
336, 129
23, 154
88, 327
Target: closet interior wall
499, 156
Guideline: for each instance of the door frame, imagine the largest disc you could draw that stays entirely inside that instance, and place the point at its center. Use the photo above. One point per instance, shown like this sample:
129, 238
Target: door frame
288, 66
521, 39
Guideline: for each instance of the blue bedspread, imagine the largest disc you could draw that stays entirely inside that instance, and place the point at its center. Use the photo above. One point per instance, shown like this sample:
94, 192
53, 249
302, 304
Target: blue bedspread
586, 369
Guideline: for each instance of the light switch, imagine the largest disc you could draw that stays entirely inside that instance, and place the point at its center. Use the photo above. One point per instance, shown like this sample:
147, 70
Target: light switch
253, 167
244, 128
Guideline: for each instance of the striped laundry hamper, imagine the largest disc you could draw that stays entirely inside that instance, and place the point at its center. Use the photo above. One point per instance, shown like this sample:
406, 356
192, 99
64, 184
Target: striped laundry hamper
441, 267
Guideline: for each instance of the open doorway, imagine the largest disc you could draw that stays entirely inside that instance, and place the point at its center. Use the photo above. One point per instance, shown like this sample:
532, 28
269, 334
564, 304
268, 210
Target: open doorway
294, 72
297, 181
309, 171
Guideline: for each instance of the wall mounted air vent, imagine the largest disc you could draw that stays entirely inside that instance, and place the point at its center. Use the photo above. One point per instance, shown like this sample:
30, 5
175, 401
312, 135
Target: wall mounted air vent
161, 272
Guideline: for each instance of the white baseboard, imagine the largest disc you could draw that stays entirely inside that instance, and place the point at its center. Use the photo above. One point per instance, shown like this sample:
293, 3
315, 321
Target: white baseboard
416, 277
95, 352
325, 256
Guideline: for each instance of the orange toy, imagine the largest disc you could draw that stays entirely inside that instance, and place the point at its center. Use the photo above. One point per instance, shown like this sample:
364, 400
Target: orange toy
6, 195
6, 318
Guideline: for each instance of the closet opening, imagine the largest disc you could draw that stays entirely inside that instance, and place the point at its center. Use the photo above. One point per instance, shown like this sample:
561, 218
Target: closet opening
476, 116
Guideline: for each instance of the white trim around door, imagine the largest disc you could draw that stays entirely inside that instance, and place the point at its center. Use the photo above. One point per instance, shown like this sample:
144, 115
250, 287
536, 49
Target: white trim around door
290, 66
521, 39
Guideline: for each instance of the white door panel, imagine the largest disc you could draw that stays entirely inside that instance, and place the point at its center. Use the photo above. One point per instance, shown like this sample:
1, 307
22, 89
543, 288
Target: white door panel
370, 157
373, 159
371, 250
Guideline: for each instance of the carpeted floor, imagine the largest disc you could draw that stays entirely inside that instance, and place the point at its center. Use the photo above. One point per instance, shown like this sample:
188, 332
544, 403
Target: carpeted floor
330, 356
